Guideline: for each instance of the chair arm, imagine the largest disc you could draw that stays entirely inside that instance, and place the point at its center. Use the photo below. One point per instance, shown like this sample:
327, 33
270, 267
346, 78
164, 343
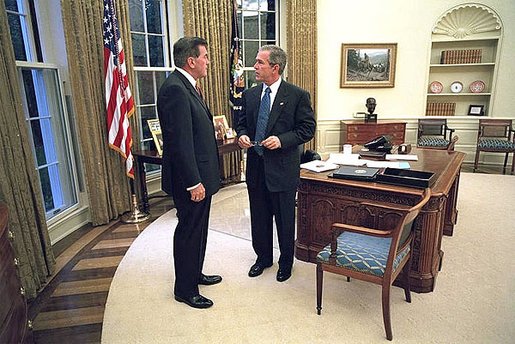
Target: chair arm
339, 228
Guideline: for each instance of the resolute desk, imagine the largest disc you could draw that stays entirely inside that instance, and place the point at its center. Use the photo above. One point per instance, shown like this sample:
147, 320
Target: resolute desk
323, 200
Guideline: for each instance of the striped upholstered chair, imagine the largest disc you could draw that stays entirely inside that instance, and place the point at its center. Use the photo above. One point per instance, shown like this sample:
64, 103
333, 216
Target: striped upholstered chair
496, 136
434, 133
376, 248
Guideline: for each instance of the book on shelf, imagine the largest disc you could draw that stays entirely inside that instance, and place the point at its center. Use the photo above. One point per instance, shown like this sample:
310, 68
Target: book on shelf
461, 56
440, 109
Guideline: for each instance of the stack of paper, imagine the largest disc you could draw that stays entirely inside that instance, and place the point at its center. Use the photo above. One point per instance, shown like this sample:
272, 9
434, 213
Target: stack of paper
319, 166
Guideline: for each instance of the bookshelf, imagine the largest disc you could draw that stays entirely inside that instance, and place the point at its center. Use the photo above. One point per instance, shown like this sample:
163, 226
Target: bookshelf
465, 45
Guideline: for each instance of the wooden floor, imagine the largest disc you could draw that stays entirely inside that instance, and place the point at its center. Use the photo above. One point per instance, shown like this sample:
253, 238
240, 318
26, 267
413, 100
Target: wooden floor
71, 307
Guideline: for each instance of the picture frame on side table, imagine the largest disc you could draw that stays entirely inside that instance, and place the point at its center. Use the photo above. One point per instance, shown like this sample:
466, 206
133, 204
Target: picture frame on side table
221, 127
476, 110
368, 65
155, 129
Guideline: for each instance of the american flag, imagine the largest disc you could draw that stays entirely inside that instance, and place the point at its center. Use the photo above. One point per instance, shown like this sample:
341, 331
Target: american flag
119, 101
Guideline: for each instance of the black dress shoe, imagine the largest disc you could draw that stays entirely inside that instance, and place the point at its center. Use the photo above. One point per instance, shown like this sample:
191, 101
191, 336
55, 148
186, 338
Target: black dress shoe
197, 301
257, 269
283, 275
209, 279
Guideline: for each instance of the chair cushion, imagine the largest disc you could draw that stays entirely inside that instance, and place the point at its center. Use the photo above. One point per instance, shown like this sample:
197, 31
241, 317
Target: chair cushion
496, 144
432, 141
362, 253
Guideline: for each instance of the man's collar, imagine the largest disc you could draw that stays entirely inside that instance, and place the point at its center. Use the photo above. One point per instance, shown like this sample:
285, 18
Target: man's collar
187, 75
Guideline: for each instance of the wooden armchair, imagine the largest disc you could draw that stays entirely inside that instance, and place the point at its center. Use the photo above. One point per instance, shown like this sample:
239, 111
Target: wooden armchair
375, 250
434, 133
496, 136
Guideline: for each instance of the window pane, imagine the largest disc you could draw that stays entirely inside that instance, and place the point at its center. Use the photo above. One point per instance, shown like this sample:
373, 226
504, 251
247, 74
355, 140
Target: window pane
136, 15
17, 37
250, 79
37, 138
155, 46
250, 4
30, 95
250, 25
46, 188
160, 78
153, 8
267, 25
145, 87
139, 52
11, 5
267, 5
250, 50
147, 112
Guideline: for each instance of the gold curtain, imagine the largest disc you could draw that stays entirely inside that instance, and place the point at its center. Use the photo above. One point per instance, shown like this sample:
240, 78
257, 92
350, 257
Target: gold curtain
211, 20
19, 184
301, 33
104, 169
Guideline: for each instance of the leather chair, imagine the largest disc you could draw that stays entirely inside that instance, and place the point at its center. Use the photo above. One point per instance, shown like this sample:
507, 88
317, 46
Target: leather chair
434, 133
375, 248
496, 136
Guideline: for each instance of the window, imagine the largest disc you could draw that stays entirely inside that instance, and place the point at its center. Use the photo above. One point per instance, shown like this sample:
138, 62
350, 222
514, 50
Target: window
45, 115
258, 26
151, 61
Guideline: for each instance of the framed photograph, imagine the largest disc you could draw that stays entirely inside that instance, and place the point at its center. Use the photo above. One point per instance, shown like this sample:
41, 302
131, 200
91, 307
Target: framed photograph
221, 127
368, 65
476, 110
155, 129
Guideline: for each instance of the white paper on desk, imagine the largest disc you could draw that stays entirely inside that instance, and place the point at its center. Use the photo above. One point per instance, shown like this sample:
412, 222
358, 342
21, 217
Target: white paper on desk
345, 159
319, 166
392, 164
410, 157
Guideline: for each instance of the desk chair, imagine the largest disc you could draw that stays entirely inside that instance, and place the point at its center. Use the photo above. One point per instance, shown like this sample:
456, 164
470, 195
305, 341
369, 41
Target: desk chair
496, 136
434, 133
375, 248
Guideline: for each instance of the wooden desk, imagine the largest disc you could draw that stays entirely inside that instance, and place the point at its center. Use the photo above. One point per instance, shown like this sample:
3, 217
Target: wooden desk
152, 157
323, 201
360, 132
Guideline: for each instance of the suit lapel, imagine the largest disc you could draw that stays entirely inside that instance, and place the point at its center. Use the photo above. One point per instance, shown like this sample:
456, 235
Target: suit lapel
280, 100
194, 93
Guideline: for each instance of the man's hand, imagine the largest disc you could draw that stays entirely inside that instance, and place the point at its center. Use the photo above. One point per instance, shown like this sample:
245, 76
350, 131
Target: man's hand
198, 194
244, 141
271, 142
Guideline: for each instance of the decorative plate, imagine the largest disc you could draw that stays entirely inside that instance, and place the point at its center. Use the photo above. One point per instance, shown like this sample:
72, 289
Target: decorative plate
477, 86
456, 87
436, 87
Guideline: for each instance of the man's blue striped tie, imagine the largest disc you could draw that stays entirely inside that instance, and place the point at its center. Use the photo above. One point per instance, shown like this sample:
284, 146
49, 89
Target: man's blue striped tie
262, 121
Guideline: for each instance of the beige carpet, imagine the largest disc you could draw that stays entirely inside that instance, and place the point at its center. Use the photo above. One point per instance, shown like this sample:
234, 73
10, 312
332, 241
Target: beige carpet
473, 302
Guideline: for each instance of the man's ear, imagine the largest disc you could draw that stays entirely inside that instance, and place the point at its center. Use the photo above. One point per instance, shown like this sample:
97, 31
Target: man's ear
191, 62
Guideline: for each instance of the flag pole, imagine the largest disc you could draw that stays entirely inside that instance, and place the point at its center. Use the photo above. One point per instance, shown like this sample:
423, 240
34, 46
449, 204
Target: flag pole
136, 215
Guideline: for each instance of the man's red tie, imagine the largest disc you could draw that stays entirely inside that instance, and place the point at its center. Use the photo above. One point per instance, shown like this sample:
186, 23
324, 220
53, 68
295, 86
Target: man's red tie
199, 90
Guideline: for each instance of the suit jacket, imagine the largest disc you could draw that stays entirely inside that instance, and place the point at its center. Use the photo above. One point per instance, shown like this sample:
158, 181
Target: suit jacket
190, 152
292, 121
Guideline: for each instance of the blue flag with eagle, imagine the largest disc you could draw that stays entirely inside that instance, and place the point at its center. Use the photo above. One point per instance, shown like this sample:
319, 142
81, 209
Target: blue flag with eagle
236, 66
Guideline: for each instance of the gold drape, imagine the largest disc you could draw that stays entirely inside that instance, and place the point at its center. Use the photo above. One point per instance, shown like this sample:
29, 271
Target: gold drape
211, 20
106, 181
301, 35
19, 184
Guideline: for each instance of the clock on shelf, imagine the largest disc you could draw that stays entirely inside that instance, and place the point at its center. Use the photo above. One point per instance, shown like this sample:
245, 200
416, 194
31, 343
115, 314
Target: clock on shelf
456, 87
436, 87
477, 86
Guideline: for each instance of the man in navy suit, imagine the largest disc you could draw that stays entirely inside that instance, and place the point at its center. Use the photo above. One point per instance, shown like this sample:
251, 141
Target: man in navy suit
276, 118
190, 166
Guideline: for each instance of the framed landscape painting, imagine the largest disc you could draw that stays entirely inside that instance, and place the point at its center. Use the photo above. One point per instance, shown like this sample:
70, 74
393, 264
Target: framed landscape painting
368, 65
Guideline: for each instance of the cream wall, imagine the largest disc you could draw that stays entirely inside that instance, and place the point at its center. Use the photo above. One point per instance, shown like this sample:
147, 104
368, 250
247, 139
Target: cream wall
409, 24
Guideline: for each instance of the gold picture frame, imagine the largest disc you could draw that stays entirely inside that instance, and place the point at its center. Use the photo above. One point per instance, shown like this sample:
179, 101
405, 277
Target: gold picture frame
368, 65
155, 129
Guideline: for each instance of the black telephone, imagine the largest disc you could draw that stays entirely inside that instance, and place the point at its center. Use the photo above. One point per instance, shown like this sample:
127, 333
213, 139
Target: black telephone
379, 144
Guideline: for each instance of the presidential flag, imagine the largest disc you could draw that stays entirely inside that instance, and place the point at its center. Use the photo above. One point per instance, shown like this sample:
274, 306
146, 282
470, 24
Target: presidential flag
119, 101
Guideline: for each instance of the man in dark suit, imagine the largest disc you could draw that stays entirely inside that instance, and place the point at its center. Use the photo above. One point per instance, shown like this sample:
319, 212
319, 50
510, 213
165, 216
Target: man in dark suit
190, 166
276, 118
